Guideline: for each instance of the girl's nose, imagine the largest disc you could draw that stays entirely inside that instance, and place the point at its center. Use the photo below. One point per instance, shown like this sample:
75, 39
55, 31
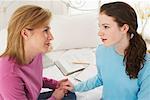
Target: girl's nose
100, 33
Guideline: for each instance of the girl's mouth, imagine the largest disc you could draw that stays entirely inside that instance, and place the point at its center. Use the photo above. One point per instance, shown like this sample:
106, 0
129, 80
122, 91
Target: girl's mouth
103, 40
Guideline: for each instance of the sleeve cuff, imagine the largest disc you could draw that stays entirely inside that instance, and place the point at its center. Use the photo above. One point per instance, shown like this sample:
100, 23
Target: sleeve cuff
52, 98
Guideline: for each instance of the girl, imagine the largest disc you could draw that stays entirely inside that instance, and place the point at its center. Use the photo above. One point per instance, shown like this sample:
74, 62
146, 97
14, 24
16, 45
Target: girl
122, 61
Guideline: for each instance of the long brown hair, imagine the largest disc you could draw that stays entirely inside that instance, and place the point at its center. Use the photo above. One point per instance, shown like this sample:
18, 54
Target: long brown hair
26, 16
135, 53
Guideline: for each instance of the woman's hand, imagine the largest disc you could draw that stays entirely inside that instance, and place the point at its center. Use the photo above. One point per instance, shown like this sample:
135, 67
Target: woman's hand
61, 82
67, 85
58, 93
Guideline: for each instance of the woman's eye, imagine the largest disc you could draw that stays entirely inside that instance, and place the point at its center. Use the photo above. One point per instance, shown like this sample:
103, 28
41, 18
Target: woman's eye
46, 30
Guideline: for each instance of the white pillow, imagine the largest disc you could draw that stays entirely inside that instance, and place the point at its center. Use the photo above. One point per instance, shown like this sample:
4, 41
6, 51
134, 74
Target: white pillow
3, 40
77, 31
69, 32
147, 30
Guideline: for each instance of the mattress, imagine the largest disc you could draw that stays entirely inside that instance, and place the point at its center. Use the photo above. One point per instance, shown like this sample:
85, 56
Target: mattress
53, 71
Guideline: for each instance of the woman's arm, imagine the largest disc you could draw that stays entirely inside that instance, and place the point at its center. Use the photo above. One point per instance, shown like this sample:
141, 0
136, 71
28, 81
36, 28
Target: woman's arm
49, 83
12, 88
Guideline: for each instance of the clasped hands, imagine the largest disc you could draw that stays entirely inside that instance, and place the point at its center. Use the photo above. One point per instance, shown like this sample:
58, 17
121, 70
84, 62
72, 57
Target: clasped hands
62, 89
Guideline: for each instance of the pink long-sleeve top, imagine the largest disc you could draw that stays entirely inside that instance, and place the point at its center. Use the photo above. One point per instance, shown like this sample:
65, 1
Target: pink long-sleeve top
22, 82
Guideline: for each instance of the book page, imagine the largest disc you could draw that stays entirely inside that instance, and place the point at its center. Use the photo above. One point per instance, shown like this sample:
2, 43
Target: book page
87, 73
75, 60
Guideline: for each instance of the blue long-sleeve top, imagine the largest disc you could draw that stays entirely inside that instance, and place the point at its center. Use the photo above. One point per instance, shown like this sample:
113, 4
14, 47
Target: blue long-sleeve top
116, 83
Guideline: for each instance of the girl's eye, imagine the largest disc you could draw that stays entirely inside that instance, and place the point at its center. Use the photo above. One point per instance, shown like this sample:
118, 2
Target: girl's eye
106, 27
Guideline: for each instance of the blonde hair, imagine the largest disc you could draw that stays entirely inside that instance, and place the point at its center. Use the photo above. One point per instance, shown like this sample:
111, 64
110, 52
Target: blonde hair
30, 16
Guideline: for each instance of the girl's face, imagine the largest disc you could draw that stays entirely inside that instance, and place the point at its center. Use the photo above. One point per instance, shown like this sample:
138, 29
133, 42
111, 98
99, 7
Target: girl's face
41, 39
110, 33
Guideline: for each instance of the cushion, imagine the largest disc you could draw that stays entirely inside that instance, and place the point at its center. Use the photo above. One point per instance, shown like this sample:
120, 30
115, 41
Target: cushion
3, 40
77, 31
69, 32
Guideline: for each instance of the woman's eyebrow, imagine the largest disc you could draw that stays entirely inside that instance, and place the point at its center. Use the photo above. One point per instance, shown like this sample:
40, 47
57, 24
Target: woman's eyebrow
47, 27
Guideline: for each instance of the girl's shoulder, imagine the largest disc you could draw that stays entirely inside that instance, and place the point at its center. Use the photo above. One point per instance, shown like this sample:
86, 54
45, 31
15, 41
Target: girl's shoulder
145, 71
147, 59
102, 48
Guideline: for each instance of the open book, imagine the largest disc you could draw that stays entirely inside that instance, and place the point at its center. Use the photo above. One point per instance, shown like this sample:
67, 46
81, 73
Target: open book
87, 73
75, 60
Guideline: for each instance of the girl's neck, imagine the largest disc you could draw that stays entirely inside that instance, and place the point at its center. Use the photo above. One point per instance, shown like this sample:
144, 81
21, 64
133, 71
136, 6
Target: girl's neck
121, 46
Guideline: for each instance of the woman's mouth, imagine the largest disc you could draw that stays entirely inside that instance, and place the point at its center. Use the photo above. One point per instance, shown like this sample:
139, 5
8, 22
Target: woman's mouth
48, 44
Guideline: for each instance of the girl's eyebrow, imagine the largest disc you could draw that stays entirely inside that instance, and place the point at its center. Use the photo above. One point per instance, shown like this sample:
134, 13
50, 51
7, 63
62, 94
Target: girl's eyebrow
105, 24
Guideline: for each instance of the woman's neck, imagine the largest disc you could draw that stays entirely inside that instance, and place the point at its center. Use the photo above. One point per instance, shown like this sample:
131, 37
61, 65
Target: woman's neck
28, 59
29, 55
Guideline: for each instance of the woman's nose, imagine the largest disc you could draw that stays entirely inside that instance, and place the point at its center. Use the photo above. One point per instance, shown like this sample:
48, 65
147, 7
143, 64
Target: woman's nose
50, 36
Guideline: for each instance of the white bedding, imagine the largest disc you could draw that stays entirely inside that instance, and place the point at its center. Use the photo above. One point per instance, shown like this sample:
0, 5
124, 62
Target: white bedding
52, 71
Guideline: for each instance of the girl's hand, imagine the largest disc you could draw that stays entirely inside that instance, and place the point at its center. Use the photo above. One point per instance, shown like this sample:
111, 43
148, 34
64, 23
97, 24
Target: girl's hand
68, 86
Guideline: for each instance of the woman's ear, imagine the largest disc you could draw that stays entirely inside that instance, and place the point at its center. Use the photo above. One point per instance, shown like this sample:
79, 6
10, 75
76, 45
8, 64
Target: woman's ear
25, 33
125, 28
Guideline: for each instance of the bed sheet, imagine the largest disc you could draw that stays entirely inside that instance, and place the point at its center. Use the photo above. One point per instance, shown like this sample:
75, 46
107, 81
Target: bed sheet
52, 71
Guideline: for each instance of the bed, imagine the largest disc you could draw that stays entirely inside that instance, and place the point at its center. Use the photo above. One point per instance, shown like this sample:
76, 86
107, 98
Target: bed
71, 33
52, 71
74, 35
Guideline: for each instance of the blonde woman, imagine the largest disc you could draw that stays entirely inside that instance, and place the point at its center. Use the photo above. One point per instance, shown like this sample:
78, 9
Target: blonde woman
29, 37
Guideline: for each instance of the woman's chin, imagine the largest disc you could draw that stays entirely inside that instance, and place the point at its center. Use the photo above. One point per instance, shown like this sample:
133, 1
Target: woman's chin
47, 49
50, 49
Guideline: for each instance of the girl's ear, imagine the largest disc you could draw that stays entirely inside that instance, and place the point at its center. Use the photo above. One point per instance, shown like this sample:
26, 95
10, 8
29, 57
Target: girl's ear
125, 28
25, 33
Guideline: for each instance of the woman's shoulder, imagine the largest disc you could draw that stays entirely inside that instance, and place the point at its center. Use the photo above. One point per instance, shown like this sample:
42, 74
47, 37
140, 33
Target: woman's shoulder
4, 61
6, 66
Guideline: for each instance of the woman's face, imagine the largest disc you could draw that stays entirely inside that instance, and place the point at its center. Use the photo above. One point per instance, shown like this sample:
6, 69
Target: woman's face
41, 39
109, 32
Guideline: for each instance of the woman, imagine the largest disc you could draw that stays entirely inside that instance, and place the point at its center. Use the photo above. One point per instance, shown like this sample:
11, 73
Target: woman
122, 61
29, 37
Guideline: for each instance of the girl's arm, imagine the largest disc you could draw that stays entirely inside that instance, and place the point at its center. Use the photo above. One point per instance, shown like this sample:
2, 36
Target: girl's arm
144, 81
144, 92
89, 84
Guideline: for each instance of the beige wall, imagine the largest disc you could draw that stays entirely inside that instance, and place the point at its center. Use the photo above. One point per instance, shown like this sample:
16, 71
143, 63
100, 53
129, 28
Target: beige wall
7, 7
